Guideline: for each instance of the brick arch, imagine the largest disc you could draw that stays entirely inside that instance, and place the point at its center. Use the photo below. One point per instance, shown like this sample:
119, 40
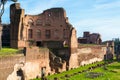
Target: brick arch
38, 22
30, 22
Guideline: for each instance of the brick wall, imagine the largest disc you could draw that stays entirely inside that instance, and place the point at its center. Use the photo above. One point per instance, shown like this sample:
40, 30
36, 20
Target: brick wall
36, 59
7, 65
51, 25
87, 55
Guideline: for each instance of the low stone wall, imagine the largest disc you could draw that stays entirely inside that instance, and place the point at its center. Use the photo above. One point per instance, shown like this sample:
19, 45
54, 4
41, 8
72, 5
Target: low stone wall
7, 65
73, 61
87, 55
36, 59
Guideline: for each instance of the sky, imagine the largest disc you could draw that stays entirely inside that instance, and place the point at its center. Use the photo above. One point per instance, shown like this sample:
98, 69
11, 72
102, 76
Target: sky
96, 16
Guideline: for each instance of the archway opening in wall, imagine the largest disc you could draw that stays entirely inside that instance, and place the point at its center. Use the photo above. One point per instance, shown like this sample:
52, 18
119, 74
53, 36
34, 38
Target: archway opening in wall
39, 43
91, 43
20, 74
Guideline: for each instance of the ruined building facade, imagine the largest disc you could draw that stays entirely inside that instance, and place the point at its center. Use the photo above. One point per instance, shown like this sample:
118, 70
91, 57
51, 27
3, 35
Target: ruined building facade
94, 38
49, 29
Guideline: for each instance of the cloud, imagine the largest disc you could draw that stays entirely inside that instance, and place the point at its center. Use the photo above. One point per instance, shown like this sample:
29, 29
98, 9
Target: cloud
32, 7
39, 6
101, 16
108, 5
107, 27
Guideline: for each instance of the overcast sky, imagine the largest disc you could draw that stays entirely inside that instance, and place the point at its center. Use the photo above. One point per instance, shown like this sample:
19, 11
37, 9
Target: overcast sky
96, 16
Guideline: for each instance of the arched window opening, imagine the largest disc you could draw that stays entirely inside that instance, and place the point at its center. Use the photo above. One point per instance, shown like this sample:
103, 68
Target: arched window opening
30, 22
39, 22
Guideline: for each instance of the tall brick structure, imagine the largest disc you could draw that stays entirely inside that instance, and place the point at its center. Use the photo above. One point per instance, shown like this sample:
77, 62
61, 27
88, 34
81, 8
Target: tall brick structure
94, 38
49, 29
16, 23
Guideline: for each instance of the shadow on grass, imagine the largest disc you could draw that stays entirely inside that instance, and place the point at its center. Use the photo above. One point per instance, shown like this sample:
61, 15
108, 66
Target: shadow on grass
93, 75
114, 67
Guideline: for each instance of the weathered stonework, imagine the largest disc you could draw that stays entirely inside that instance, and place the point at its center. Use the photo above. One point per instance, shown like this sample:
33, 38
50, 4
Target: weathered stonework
7, 65
94, 38
109, 50
73, 42
87, 55
16, 23
48, 29
36, 59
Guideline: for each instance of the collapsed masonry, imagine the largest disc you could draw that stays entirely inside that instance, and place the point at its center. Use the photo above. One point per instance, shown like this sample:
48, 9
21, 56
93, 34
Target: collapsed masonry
49, 29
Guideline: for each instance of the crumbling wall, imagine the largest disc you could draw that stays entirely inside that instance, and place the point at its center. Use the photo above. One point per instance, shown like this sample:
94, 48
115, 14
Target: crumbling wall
16, 26
73, 62
110, 50
57, 64
73, 41
45, 29
87, 55
7, 65
36, 59
91, 54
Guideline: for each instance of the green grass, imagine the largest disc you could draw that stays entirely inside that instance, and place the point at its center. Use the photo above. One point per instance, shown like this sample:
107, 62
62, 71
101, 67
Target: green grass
70, 72
8, 51
111, 73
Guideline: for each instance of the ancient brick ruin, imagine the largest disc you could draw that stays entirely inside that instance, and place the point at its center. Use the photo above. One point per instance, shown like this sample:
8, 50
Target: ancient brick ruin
94, 38
48, 29
109, 50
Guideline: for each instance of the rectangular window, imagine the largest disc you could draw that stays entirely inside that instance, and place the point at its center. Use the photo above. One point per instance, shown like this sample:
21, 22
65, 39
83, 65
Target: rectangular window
48, 34
38, 34
30, 33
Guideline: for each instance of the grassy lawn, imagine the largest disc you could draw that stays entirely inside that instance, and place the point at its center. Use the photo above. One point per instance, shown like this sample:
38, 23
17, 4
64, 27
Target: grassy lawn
8, 51
111, 73
70, 72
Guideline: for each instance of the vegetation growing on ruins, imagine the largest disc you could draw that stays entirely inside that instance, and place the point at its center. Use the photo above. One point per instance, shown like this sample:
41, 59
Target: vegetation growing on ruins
8, 51
99, 73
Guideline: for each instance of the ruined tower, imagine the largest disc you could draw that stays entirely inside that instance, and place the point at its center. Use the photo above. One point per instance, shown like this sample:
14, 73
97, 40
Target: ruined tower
16, 19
